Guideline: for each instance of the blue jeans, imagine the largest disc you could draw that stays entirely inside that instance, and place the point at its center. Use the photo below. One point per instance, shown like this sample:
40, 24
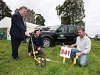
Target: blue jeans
83, 59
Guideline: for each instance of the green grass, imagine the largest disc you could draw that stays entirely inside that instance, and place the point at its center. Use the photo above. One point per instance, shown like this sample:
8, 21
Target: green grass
9, 66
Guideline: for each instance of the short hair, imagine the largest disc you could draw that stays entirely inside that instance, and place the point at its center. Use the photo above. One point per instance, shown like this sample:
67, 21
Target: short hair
23, 7
35, 31
81, 28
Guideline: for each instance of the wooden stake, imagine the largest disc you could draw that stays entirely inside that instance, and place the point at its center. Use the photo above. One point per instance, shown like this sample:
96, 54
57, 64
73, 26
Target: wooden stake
64, 60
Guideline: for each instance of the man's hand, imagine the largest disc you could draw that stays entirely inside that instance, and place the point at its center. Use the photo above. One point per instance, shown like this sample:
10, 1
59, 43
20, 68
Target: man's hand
27, 33
39, 48
72, 46
79, 53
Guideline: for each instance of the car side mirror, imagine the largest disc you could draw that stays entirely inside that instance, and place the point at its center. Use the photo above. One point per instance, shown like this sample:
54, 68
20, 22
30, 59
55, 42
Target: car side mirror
59, 30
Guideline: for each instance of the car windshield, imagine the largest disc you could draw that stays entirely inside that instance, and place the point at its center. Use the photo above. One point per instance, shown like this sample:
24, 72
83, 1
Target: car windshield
54, 28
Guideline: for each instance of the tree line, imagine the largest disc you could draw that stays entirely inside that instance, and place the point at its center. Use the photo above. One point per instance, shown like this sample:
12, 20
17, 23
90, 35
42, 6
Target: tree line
71, 12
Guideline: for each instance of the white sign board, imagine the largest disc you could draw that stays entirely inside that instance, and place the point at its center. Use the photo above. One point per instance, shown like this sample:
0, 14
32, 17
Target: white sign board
65, 52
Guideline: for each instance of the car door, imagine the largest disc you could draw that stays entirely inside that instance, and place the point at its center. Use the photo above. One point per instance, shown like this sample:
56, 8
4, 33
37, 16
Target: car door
71, 34
60, 35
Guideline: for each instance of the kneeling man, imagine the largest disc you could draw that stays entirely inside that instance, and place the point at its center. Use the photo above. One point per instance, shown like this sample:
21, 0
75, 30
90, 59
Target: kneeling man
38, 43
83, 44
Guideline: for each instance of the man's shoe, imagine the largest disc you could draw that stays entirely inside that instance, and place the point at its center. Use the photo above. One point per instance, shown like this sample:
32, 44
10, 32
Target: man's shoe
17, 58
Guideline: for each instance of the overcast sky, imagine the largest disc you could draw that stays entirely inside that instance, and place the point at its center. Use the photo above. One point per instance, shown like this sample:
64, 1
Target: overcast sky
47, 9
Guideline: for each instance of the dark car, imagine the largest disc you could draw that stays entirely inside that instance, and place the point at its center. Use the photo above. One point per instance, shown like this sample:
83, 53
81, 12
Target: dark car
97, 37
45, 29
60, 34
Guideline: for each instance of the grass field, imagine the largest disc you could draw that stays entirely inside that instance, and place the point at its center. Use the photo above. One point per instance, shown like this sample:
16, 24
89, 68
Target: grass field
26, 66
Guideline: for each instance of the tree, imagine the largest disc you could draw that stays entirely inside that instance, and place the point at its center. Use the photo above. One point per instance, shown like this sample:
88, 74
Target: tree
30, 15
39, 19
4, 10
71, 12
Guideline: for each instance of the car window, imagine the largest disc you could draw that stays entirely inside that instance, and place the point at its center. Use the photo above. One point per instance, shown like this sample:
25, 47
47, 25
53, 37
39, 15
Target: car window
45, 29
71, 30
54, 28
63, 28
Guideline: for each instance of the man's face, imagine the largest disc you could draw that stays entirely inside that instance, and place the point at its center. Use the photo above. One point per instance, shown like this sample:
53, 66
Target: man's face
23, 12
37, 33
81, 33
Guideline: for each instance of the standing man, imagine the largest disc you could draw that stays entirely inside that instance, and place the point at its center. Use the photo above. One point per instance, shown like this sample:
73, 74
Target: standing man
18, 30
83, 45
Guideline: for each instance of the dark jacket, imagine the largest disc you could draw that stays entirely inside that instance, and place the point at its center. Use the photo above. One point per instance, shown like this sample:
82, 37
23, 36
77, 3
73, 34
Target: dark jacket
17, 26
37, 41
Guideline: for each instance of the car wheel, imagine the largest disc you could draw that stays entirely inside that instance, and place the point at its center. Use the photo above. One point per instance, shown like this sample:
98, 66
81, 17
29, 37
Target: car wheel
46, 42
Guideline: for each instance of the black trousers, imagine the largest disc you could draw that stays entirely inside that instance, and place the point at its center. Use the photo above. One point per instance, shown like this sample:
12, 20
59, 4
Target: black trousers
15, 42
40, 52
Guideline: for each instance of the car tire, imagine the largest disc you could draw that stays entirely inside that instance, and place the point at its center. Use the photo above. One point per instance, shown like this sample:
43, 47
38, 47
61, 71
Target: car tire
46, 42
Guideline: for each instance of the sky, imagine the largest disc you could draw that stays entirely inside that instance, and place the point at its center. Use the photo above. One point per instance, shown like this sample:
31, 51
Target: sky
47, 9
